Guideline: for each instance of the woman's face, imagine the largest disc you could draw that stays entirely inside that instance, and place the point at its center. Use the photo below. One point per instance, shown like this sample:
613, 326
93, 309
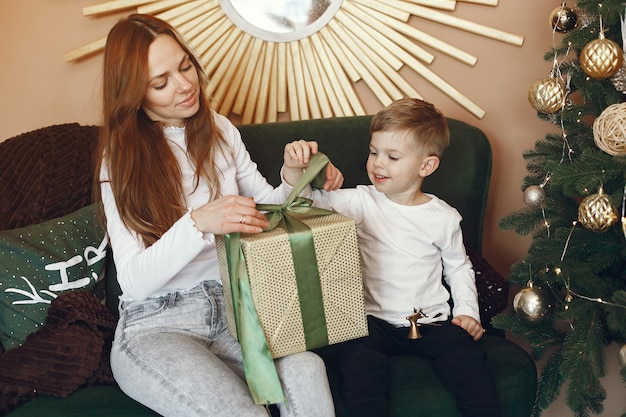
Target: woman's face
173, 88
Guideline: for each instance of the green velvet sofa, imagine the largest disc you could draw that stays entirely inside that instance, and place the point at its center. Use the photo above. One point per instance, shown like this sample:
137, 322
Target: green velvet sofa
58, 182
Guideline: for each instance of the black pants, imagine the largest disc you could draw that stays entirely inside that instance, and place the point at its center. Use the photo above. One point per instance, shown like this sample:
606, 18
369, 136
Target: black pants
459, 362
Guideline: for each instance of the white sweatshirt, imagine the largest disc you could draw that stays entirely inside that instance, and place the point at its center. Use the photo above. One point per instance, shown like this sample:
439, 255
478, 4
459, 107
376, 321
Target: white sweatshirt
405, 250
184, 257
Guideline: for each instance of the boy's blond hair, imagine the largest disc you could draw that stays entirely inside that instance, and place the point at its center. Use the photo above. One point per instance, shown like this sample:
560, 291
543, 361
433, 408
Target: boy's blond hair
419, 119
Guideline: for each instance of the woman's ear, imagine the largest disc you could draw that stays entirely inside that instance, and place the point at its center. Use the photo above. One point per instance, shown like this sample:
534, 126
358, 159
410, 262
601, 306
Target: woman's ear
429, 165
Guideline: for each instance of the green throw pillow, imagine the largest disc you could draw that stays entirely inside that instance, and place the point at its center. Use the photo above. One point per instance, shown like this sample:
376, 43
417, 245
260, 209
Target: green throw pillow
39, 262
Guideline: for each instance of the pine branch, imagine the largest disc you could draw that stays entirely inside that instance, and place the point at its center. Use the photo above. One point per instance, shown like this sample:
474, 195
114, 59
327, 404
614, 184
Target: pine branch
615, 316
541, 338
610, 9
550, 383
591, 170
583, 364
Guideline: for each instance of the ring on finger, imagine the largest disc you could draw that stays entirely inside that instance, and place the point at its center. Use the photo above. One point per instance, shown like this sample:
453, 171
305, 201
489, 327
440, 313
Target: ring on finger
242, 220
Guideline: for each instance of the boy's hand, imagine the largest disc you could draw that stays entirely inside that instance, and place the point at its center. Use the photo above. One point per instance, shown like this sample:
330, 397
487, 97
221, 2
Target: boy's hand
297, 157
470, 325
334, 178
298, 154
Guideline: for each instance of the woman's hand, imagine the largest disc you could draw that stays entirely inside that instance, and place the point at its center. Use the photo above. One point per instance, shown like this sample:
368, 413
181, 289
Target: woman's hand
228, 215
297, 157
471, 326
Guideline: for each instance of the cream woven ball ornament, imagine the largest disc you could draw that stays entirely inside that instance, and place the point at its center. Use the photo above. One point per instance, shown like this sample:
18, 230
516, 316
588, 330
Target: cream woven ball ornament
609, 130
547, 95
596, 213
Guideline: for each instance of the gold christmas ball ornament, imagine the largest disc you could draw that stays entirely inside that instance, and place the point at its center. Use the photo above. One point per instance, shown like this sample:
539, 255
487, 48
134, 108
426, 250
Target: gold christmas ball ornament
534, 196
622, 355
596, 213
563, 19
533, 304
547, 95
609, 130
601, 58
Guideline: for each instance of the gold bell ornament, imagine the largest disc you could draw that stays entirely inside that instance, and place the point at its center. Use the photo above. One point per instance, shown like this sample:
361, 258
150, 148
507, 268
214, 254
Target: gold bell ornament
414, 332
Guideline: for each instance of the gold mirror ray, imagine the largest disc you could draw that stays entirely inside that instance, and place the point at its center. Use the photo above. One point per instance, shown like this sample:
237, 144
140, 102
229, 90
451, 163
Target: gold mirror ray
313, 76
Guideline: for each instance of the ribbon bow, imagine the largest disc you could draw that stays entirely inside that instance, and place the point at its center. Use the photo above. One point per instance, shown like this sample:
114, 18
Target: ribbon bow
259, 366
314, 175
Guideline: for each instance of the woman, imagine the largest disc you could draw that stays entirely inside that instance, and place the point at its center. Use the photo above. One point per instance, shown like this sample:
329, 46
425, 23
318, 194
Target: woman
173, 174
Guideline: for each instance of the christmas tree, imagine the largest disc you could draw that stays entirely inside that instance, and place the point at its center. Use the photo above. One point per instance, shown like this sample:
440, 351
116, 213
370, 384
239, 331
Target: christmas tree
572, 300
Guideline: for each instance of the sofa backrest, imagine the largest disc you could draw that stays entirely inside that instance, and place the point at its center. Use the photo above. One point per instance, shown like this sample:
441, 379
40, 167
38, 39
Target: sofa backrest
462, 178
47, 173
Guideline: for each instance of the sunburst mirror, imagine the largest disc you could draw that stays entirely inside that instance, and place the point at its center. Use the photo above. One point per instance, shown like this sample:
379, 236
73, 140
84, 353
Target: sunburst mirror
266, 57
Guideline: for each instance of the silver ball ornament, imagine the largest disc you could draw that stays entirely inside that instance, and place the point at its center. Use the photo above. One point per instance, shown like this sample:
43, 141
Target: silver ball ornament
534, 196
533, 304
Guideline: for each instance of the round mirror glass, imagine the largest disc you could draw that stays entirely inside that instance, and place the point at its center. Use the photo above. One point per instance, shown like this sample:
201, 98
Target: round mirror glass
280, 20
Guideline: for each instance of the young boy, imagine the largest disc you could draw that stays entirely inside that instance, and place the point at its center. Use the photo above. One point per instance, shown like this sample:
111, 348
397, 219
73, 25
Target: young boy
409, 240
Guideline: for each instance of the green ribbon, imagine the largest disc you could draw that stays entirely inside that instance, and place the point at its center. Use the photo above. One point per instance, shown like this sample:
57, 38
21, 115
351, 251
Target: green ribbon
302, 248
259, 366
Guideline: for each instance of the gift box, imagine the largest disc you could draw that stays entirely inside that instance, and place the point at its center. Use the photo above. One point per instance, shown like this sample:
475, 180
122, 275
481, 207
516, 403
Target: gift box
298, 316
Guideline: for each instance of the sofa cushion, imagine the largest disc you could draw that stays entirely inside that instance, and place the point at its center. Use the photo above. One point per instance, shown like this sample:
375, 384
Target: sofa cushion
39, 262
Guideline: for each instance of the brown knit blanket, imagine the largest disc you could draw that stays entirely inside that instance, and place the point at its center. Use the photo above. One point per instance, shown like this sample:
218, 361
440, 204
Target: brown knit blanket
45, 174
70, 351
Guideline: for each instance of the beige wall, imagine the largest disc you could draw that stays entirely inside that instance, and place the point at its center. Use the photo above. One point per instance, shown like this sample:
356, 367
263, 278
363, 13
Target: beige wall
38, 89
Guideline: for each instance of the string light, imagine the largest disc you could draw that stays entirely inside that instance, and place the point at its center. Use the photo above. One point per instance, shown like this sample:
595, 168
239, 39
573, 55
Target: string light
566, 282
543, 211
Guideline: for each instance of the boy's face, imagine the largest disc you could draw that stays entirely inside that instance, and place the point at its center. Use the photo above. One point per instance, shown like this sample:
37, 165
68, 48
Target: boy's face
395, 166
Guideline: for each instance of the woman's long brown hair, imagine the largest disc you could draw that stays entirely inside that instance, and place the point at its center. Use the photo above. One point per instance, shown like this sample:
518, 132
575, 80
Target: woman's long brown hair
143, 172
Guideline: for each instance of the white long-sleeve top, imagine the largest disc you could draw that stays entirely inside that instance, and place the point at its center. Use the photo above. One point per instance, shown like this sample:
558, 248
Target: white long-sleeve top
183, 256
405, 251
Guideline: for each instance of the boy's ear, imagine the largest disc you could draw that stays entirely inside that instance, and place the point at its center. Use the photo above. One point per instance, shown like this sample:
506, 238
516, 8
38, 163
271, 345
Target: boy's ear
429, 165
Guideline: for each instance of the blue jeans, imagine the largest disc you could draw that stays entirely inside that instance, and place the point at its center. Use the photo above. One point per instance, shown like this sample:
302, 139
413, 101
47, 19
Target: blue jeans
174, 354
